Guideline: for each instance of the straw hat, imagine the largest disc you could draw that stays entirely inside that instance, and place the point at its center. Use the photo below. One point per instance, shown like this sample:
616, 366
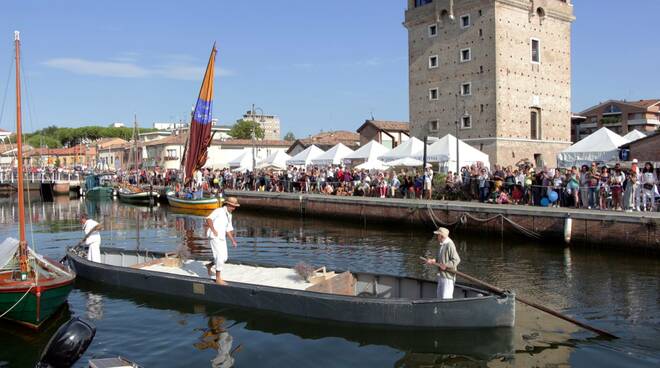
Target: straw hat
232, 201
442, 230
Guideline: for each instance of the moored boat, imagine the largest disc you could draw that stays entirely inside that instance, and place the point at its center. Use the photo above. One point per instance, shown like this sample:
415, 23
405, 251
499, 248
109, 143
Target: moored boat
32, 287
193, 204
357, 298
147, 197
95, 187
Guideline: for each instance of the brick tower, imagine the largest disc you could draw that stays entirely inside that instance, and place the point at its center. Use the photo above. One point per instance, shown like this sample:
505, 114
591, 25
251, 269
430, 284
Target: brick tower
497, 73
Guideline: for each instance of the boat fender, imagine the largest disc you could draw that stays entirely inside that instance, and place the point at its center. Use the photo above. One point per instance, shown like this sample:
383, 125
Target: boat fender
68, 344
568, 227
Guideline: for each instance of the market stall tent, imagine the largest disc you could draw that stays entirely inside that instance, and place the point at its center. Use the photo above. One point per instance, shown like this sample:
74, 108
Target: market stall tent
333, 156
407, 149
634, 135
276, 161
600, 146
369, 152
305, 157
444, 150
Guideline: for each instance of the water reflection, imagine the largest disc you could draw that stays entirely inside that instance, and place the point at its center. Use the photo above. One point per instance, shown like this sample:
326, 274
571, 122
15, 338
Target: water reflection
614, 291
94, 306
217, 337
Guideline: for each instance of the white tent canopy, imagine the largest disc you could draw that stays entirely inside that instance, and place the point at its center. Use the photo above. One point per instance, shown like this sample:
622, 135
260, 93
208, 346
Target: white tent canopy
600, 146
369, 152
243, 162
372, 165
634, 135
444, 150
305, 157
276, 161
406, 161
407, 149
333, 156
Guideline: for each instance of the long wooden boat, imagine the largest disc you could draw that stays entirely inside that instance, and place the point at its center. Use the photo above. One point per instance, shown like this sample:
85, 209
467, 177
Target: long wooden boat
368, 299
193, 204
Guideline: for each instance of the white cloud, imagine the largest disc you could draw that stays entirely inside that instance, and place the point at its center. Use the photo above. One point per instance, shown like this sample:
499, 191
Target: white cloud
125, 66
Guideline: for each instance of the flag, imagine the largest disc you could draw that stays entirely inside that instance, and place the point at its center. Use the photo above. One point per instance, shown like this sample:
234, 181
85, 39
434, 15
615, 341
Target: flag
199, 135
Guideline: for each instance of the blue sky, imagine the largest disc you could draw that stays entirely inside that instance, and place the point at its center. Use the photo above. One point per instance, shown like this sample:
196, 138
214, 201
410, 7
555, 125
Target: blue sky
318, 65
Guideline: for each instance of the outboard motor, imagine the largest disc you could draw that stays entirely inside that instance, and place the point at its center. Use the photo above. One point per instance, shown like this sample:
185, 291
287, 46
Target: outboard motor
67, 344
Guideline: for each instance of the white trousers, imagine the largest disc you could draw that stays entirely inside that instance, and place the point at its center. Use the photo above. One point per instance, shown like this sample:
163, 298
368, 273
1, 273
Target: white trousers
94, 252
220, 255
445, 288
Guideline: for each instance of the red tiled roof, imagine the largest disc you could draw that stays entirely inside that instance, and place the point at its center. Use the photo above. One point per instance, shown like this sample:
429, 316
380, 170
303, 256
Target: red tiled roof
645, 104
400, 126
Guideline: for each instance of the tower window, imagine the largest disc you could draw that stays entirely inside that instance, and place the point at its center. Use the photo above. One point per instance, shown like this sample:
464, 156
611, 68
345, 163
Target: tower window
422, 2
465, 21
433, 30
481, 32
466, 55
466, 122
466, 89
433, 125
433, 61
433, 94
536, 50
535, 124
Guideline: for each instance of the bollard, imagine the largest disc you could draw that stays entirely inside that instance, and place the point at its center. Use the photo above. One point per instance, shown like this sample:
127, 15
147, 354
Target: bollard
568, 227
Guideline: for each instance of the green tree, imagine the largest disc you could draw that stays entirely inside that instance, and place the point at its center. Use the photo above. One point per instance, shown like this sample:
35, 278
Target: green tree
243, 130
36, 140
289, 137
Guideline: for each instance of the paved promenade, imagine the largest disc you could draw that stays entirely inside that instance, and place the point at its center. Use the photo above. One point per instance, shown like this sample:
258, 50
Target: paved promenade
626, 230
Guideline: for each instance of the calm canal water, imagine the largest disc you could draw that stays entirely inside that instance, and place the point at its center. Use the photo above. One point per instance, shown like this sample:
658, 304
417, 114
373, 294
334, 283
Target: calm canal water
612, 290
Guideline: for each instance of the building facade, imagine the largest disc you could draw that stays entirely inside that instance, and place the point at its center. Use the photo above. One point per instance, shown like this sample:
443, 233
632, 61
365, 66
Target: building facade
619, 116
388, 133
269, 123
497, 73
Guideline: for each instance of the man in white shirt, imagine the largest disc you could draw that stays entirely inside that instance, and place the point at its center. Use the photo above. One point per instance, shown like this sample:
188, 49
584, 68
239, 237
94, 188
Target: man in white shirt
92, 237
219, 228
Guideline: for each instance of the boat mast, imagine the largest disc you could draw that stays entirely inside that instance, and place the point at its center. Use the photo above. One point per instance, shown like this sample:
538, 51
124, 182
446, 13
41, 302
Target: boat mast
19, 154
135, 150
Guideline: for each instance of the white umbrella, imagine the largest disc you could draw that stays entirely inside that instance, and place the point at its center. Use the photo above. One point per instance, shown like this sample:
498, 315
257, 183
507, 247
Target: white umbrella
406, 161
407, 149
373, 165
305, 157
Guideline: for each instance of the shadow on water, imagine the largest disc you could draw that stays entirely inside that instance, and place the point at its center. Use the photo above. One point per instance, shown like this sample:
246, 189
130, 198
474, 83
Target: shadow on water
472, 344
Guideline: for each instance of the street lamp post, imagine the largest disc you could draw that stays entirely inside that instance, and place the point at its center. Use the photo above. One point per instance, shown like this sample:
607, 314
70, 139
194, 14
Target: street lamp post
253, 116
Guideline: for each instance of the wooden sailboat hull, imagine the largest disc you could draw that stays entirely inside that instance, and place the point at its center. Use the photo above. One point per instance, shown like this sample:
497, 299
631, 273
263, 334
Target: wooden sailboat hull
194, 204
37, 306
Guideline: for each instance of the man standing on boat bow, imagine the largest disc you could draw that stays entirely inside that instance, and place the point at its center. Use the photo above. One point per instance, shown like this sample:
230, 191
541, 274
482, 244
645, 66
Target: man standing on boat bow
92, 237
219, 228
447, 258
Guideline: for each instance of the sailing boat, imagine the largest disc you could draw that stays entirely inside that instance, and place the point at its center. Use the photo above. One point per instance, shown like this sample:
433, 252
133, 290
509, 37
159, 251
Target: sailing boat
199, 139
133, 193
32, 288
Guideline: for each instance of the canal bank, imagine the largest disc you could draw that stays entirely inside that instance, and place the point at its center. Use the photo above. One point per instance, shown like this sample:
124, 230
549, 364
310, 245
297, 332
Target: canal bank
620, 230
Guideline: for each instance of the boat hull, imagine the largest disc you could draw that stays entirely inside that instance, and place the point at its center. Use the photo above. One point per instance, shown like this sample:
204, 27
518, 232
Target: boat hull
194, 204
99, 192
148, 198
417, 312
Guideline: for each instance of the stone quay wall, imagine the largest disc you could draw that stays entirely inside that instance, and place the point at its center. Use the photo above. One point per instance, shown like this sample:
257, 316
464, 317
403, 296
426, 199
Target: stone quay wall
625, 231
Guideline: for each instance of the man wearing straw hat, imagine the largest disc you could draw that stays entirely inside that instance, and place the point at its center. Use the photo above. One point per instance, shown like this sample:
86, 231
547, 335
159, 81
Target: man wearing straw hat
447, 258
219, 228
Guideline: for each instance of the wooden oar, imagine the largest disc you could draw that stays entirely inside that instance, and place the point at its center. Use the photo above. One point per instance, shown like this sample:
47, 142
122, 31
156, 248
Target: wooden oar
525, 301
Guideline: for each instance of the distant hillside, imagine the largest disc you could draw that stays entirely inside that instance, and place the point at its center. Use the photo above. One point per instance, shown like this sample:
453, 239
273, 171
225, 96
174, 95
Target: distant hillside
54, 137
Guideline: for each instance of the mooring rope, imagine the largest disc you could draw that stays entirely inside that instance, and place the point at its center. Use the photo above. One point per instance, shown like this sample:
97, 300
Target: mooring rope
462, 220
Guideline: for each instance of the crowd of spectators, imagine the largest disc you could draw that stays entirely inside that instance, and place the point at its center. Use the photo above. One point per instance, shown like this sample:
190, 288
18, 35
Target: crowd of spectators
593, 187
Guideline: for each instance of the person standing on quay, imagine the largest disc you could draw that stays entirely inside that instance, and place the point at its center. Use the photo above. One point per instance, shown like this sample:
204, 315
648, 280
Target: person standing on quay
219, 228
447, 258
92, 237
